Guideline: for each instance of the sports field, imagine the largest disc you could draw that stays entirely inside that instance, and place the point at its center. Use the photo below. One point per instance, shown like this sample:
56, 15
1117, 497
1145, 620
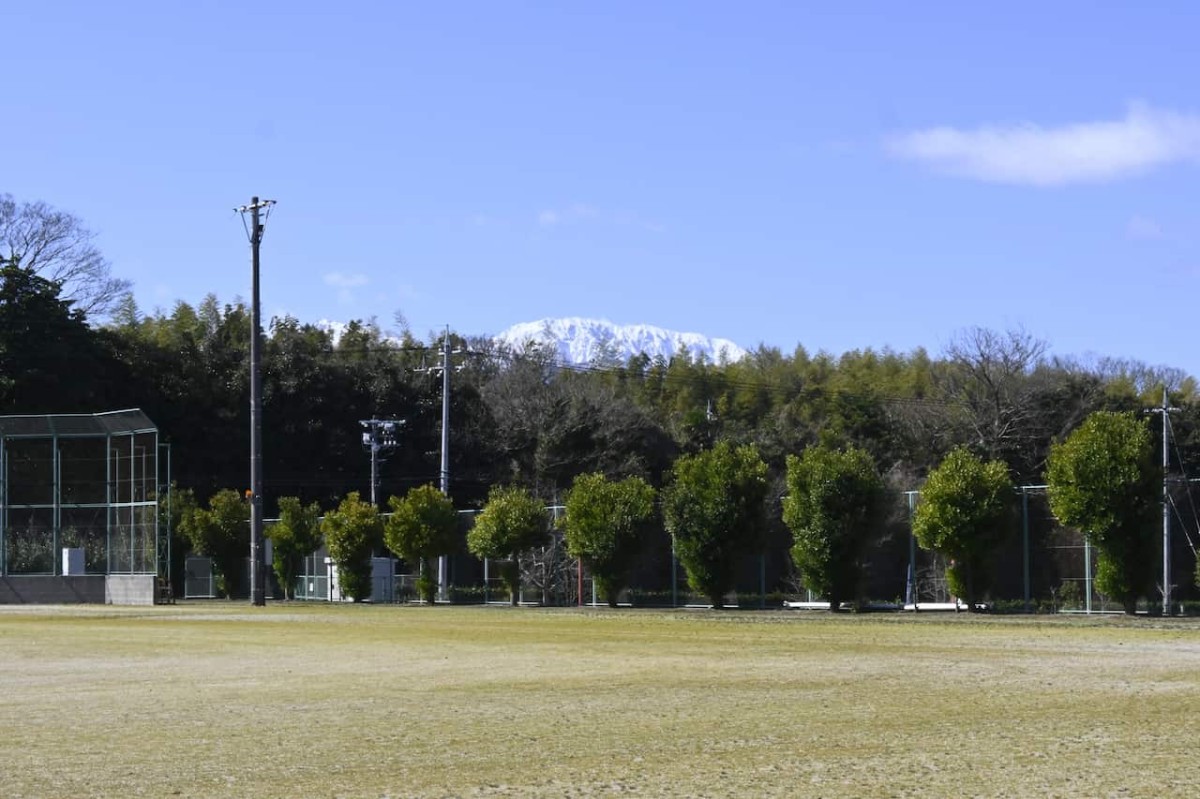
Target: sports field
225, 700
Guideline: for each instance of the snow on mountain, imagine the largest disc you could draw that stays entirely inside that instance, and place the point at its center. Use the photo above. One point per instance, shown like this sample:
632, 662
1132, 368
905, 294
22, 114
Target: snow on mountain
334, 329
586, 341
337, 329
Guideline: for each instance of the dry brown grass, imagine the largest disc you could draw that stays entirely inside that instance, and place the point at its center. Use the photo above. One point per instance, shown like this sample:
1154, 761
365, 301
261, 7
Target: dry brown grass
214, 700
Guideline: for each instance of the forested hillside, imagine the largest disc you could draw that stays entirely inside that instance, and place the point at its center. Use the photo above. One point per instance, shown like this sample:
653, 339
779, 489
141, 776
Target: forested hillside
525, 418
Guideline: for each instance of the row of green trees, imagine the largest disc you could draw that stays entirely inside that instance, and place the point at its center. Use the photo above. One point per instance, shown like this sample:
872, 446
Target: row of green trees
1101, 479
422, 525
714, 507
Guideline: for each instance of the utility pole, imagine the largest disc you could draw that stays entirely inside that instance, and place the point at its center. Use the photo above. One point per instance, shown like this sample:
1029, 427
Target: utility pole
379, 437
445, 472
1166, 500
443, 577
255, 233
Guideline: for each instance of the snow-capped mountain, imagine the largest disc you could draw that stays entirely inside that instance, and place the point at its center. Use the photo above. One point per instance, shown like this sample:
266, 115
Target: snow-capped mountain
586, 341
334, 329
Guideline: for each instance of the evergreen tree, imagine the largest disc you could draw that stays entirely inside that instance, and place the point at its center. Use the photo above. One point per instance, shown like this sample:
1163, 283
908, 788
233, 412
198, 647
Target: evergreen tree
222, 532
714, 509
1103, 481
353, 532
835, 501
964, 513
605, 523
294, 536
512, 521
423, 526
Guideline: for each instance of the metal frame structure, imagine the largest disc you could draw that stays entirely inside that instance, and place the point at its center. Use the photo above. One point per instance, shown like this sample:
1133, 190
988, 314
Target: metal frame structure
88, 481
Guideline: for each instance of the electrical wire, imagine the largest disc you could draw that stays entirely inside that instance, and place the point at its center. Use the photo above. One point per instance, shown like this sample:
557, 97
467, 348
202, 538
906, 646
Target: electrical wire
1186, 481
1183, 524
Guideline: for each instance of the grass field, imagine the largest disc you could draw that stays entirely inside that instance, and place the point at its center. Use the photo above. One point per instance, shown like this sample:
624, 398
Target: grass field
217, 700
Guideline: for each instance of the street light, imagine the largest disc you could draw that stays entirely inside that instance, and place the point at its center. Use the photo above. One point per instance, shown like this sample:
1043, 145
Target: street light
379, 436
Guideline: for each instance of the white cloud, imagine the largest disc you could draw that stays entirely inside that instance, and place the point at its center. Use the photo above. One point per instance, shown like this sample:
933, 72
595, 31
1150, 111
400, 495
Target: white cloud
581, 212
407, 292
1141, 227
1086, 152
345, 285
575, 212
343, 281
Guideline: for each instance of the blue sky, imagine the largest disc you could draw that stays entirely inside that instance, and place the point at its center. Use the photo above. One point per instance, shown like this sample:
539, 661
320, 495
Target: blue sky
841, 176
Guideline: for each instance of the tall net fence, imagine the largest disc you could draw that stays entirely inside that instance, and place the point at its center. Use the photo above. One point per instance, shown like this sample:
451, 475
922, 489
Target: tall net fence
1042, 566
79, 493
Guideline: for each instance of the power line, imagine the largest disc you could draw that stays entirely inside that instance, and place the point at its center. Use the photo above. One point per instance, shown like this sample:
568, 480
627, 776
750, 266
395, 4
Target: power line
1187, 486
1182, 524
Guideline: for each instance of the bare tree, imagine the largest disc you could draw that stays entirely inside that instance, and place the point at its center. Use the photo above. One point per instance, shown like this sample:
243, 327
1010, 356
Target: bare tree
56, 245
994, 382
1145, 380
550, 570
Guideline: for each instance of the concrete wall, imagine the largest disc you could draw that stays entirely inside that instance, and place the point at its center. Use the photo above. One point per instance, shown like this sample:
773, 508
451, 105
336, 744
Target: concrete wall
129, 589
92, 589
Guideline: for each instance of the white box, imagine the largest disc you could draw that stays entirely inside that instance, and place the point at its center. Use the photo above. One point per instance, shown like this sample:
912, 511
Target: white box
72, 561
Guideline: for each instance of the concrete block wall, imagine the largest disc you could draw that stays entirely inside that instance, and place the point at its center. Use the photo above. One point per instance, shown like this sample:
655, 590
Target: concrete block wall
130, 589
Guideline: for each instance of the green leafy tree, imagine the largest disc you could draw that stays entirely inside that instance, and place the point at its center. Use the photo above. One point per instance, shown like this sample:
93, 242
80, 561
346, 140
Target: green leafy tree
1103, 481
50, 360
352, 534
222, 532
423, 526
296, 535
512, 521
714, 509
835, 501
964, 513
174, 506
604, 525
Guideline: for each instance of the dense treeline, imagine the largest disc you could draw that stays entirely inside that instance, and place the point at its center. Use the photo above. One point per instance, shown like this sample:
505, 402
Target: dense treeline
519, 417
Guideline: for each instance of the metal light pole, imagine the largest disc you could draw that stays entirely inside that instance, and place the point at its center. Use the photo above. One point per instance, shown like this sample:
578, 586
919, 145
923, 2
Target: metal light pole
255, 234
443, 561
446, 413
379, 436
1166, 501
